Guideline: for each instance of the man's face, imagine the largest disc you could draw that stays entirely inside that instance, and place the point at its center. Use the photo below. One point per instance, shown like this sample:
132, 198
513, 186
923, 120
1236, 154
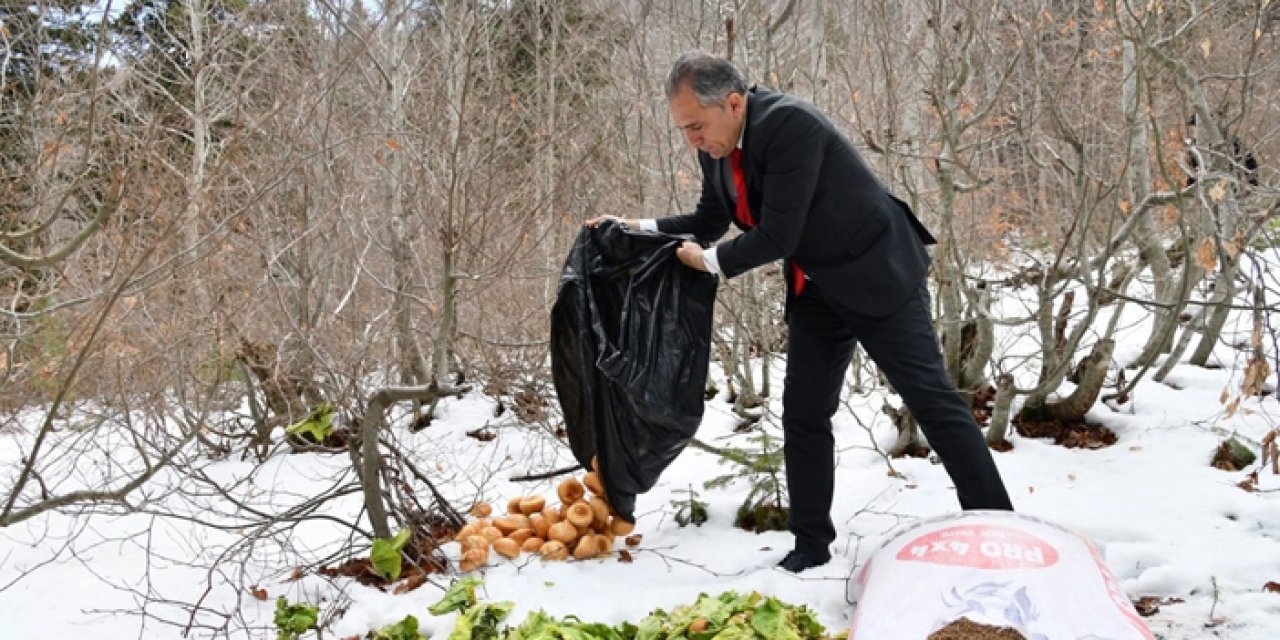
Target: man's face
712, 128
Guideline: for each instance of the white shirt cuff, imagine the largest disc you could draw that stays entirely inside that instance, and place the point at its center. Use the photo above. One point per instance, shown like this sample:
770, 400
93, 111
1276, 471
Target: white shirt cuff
647, 224
713, 262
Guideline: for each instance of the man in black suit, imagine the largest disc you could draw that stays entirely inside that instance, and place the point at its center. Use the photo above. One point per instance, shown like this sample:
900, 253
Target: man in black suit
855, 264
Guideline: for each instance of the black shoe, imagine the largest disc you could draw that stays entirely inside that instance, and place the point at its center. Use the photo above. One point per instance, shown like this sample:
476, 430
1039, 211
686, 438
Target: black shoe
797, 561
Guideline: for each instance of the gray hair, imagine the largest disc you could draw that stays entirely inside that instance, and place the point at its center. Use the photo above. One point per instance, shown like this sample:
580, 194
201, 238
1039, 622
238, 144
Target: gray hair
712, 79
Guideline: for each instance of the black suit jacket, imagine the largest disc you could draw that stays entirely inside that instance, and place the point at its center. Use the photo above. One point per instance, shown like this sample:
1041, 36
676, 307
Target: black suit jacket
816, 202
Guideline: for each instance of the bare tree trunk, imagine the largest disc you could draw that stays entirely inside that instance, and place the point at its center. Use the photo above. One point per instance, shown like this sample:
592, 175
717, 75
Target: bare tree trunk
952, 87
546, 53
1224, 289
1191, 273
747, 311
908, 432
1145, 236
200, 115
1092, 374
976, 359
397, 66
370, 456
1050, 351
998, 427
765, 332
458, 79
1223, 219
949, 317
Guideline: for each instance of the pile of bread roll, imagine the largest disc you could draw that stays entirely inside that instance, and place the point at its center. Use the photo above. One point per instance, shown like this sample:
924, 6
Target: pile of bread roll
581, 526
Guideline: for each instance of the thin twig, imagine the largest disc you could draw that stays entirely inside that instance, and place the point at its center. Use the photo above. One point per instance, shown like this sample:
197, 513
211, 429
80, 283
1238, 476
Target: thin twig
545, 475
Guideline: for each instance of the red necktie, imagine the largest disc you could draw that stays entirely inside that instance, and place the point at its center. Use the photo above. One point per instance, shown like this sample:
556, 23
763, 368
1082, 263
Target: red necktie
743, 211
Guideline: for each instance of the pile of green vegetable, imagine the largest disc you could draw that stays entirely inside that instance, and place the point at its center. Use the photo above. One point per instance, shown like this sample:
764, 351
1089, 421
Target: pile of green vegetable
729, 616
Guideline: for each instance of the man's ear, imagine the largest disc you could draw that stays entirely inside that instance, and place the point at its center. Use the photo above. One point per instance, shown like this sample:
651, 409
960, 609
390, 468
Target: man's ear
737, 102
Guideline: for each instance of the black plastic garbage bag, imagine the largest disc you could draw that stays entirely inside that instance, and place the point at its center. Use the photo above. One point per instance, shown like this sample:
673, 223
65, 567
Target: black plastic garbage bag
630, 342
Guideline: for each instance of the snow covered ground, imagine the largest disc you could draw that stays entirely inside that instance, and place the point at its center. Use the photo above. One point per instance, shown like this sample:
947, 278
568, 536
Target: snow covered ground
1170, 525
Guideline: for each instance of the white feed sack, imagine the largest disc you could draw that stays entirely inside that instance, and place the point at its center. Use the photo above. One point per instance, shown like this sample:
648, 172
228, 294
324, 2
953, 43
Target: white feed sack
994, 568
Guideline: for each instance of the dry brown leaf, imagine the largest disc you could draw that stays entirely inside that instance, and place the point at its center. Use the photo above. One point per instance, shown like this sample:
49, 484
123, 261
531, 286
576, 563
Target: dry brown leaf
1232, 247
1206, 256
258, 592
1147, 606
415, 580
1271, 451
1255, 375
1232, 406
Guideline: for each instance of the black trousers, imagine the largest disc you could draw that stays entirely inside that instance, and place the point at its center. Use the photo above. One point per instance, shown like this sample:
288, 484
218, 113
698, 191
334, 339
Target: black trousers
823, 335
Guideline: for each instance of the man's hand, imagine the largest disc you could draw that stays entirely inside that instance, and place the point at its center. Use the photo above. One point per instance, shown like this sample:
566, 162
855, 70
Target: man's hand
630, 224
691, 255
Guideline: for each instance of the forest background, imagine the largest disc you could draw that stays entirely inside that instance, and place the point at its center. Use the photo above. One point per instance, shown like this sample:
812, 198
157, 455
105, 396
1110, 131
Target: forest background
217, 216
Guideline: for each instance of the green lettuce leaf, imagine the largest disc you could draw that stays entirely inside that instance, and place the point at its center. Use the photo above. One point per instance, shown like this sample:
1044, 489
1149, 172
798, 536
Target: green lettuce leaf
294, 619
386, 555
406, 629
651, 627
540, 626
729, 616
318, 424
460, 595
806, 622
536, 626
480, 622
771, 620
736, 629
716, 611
